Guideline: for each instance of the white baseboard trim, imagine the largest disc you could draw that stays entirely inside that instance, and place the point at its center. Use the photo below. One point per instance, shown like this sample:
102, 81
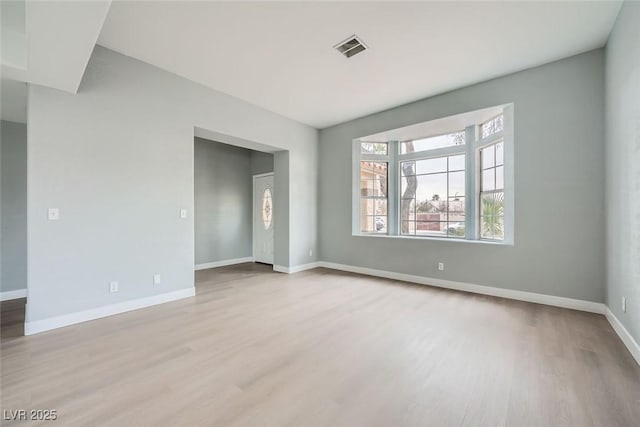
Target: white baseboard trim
575, 304
295, 269
38, 326
223, 263
624, 335
9, 295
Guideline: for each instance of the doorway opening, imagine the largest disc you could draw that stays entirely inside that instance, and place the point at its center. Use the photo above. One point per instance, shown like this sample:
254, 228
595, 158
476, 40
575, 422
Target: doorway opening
263, 218
235, 205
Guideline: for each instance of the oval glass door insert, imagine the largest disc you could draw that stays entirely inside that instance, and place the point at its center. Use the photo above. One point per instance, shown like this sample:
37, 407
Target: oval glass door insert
267, 208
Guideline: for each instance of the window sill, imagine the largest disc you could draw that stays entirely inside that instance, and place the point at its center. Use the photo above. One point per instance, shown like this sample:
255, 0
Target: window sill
436, 239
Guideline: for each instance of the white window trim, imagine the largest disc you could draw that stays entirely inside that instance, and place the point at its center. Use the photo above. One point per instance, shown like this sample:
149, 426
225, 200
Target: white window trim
471, 149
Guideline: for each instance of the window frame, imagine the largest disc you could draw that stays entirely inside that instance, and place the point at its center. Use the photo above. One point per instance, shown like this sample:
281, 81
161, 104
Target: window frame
359, 157
374, 198
436, 153
473, 172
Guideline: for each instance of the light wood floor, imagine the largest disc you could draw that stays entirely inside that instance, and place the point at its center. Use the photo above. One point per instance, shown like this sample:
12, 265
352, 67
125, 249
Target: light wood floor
324, 348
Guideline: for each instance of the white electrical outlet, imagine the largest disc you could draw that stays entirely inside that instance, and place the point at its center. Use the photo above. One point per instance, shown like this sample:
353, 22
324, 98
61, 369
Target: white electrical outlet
156, 279
183, 213
310, 252
113, 287
441, 266
624, 304
53, 214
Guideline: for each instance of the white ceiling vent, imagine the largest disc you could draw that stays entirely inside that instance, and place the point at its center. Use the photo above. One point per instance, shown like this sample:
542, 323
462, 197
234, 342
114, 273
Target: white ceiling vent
351, 46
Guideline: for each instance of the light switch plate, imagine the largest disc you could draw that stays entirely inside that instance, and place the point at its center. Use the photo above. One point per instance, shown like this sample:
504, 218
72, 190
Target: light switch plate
183, 213
156, 279
53, 214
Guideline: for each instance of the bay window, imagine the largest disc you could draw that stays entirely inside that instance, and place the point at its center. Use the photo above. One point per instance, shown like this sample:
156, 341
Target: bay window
451, 178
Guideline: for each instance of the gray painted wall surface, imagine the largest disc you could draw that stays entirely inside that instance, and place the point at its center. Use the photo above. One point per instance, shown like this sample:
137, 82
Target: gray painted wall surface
559, 186
223, 202
281, 196
623, 167
261, 162
117, 160
13, 152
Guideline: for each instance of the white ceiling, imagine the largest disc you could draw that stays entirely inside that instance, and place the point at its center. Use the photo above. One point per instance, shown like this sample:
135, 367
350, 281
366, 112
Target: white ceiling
49, 42
280, 56
435, 127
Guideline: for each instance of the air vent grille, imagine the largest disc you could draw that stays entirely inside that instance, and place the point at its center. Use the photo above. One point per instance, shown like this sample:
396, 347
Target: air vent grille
351, 46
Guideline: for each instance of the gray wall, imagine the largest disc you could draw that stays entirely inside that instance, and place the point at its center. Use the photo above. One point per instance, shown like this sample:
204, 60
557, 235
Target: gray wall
13, 152
559, 186
281, 199
117, 160
623, 167
223, 202
261, 162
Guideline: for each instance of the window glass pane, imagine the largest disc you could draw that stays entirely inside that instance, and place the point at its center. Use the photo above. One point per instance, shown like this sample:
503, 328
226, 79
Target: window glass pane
456, 184
380, 187
433, 142
431, 165
373, 189
378, 148
488, 159
366, 187
500, 178
380, 206
366, 207
457, 163
404, 185
431, 221
373, 215
425, 188
366, 224
438, 194
492, 216
380, 223
267, 208
488, 180
456, 211
373, 168
408, 209
432, 187
500, 153
431, 228
492, 126
456, 228
408, 227
408, 168
373, 179
456, 207
427, 206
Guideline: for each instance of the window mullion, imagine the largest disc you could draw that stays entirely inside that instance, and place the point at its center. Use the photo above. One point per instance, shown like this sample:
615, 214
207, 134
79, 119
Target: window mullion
356, 225
393, 190
432, 154
508, 161
471, 184
491, 139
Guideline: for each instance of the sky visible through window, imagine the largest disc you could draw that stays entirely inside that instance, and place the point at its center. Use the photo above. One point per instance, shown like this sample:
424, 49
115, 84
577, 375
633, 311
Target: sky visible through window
434, 142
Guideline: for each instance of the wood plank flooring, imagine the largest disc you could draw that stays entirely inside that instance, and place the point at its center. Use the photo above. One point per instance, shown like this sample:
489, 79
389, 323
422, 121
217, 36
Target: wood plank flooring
324, 348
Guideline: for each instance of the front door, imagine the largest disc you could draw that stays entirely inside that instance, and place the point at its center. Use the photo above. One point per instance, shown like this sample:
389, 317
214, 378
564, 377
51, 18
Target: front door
263, 218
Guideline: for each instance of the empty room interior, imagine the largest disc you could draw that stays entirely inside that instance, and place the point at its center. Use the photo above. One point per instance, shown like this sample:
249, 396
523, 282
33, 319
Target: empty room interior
320, 213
